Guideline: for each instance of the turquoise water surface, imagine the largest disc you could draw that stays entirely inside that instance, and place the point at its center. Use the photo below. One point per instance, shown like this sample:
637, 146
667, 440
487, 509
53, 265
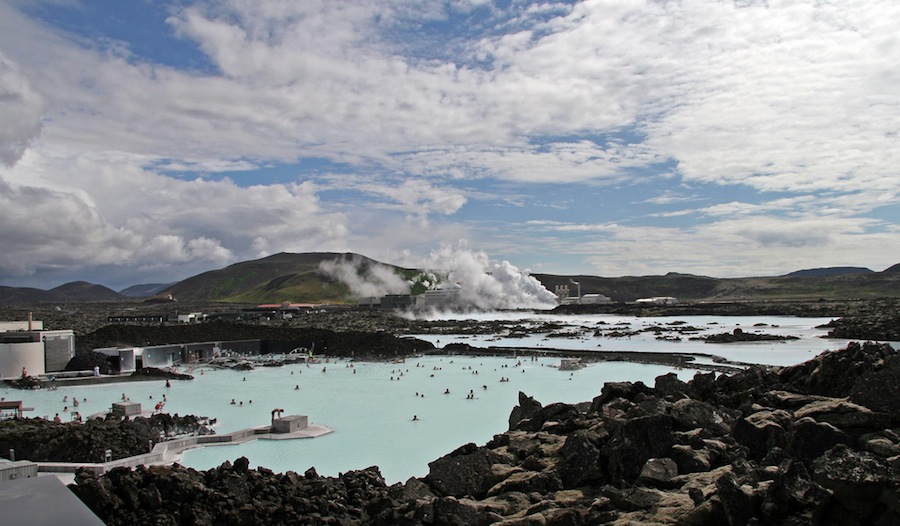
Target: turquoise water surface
371, 406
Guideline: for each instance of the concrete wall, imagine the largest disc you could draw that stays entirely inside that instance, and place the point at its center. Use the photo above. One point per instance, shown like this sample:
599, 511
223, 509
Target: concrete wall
162, 355
20, 469
59, 348
126, 357
21, 326
245, 347
14, 356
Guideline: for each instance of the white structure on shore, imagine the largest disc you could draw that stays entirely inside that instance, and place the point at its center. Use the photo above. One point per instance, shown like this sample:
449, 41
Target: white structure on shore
25, 348
563, 297
659, 300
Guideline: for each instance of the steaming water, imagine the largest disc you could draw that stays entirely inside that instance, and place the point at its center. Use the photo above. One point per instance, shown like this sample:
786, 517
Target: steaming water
371, 414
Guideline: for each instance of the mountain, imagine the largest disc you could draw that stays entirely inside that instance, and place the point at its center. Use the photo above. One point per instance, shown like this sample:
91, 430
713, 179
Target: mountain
297, 278
834, 283
828, 271
274, 279
145, 290
75, 292
23, 295
83, 291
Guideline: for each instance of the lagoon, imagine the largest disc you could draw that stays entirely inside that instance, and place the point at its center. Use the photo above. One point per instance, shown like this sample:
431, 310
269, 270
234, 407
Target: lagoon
370, 405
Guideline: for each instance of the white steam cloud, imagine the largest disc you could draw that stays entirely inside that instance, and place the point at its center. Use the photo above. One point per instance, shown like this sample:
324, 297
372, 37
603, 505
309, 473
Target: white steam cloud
480, 282
365, 278
486, 284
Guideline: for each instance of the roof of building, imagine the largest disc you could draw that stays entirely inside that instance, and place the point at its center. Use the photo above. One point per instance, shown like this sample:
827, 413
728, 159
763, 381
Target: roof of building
42, 500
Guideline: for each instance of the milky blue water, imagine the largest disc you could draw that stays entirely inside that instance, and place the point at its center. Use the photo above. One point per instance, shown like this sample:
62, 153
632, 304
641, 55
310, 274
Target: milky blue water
812, 340
370, 406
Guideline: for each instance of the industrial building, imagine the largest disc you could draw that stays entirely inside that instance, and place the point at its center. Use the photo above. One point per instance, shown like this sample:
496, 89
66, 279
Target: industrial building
25, 348
130, 359
563, 296
659, 300
430, 299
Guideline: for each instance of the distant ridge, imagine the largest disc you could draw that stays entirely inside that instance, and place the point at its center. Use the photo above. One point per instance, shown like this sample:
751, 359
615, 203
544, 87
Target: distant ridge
829, 271
74, 292
145, 290
84, 291
297, 278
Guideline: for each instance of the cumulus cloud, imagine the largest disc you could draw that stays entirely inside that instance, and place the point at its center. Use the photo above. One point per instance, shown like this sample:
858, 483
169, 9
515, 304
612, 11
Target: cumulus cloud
162, 227
122, 157
21, 107
728, 247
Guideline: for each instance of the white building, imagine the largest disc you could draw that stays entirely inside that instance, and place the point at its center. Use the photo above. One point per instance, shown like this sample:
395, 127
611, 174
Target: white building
659, 300
586, 299
595, 299
130, 359
25, 347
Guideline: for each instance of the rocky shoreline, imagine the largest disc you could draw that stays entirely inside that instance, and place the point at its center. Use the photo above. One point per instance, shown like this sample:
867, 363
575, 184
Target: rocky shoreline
869, 319
41, 440
815, 443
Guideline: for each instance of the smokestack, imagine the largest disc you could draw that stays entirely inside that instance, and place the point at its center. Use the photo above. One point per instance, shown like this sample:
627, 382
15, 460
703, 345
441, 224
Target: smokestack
29, 321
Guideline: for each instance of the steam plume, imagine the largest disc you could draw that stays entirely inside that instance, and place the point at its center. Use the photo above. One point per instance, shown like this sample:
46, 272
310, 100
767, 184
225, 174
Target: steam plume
486, 284
365, 278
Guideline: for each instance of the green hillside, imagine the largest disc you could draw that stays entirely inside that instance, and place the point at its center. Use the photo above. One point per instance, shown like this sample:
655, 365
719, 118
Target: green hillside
298, 278
274, 279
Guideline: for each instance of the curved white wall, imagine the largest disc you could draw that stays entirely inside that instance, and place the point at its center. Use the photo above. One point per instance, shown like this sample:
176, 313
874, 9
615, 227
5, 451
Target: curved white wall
14, 356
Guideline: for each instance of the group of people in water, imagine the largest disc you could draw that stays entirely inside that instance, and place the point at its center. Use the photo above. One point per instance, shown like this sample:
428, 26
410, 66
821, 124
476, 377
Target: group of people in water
76, 416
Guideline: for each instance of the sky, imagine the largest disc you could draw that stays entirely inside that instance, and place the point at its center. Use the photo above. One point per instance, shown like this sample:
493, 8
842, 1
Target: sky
146, 141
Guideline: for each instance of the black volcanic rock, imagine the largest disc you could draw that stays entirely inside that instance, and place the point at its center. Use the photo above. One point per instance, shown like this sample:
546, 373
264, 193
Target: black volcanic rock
373, 344
39, 440
879, 320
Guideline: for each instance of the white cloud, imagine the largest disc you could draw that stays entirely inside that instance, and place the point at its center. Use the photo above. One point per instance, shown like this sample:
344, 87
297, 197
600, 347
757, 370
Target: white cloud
794, 98
417, 198
21, 107
161, 226
752, 245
